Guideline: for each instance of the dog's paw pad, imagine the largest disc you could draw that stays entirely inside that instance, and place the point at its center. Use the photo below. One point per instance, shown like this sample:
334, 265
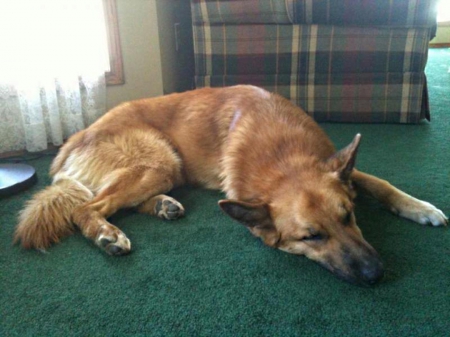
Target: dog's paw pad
168, 208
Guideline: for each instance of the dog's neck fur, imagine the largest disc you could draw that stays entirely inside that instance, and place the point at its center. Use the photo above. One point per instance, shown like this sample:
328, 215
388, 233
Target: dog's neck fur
249, 175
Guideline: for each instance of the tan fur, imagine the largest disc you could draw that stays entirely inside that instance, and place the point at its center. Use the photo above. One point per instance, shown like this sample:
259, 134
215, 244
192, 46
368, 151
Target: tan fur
48, 216
281, 173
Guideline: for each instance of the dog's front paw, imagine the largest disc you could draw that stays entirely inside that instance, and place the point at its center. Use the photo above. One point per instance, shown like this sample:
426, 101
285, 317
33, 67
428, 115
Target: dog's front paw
422, 212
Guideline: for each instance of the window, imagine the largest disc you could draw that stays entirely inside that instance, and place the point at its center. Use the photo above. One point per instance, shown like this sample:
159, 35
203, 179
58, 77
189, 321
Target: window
443, 12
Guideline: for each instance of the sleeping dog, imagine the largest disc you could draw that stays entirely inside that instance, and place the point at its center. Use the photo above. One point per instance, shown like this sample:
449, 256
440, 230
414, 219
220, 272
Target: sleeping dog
282, 176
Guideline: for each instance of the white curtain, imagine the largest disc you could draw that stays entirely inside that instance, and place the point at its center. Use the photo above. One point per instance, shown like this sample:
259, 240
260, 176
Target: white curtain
52, 63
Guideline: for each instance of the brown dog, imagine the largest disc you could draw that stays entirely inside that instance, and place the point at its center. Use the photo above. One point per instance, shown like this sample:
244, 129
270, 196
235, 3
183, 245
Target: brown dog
281, 173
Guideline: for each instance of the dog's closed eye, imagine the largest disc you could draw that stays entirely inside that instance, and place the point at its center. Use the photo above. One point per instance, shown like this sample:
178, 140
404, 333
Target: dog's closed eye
313, 237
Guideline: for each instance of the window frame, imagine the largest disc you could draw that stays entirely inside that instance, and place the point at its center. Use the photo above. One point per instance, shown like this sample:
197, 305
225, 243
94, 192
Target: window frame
115, 76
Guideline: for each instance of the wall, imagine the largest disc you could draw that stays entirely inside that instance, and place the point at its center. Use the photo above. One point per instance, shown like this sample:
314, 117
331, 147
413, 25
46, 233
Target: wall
138, 27
442, 34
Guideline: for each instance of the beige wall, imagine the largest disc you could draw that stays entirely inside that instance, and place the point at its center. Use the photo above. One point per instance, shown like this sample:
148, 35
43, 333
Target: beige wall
138, 27
442, 34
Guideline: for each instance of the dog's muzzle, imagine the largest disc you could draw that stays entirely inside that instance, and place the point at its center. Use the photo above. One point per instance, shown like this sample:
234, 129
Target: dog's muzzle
361, 265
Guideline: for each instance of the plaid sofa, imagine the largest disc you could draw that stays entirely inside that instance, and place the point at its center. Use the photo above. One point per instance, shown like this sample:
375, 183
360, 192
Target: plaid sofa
341, 60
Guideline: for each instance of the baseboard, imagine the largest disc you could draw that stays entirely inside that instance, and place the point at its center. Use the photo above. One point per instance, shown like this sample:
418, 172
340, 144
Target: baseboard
50, 149
439, 45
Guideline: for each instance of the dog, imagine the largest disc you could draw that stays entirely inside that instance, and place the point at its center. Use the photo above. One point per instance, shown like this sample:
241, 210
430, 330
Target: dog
282, 177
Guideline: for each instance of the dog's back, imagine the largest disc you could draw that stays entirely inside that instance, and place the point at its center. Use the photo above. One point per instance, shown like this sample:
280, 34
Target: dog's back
198, 124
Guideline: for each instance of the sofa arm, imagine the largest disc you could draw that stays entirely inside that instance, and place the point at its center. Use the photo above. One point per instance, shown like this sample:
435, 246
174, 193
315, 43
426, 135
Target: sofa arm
400, 13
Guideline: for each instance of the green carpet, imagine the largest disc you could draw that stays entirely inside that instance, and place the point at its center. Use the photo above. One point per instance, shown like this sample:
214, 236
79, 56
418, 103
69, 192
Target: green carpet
205, 275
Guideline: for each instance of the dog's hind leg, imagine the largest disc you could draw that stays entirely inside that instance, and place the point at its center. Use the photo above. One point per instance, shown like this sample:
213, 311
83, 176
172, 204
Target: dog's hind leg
398, 201
127, 187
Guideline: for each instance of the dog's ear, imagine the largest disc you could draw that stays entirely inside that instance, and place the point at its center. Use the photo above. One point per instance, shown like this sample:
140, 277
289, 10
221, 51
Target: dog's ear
249, 214
344, 160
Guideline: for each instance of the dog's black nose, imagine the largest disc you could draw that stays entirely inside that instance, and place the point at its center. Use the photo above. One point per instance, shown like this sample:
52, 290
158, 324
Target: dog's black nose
372, 273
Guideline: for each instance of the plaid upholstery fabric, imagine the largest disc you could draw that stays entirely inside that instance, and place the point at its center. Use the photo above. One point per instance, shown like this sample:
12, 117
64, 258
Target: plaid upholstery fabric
360, 98
291, 49
240, 11
402, 13
336, 73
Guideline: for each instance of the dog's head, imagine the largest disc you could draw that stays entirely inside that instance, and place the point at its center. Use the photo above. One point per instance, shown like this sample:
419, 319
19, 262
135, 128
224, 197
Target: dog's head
312, 214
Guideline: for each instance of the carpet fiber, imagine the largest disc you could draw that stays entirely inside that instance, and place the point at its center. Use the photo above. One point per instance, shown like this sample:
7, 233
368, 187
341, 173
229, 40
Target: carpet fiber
205, 275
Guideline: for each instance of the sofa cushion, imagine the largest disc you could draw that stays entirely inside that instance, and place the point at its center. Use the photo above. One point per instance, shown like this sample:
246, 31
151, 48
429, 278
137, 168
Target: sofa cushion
302, 49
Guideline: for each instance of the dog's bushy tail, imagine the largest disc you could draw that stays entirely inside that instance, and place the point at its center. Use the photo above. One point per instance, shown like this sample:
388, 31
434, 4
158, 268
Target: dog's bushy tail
48, 216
